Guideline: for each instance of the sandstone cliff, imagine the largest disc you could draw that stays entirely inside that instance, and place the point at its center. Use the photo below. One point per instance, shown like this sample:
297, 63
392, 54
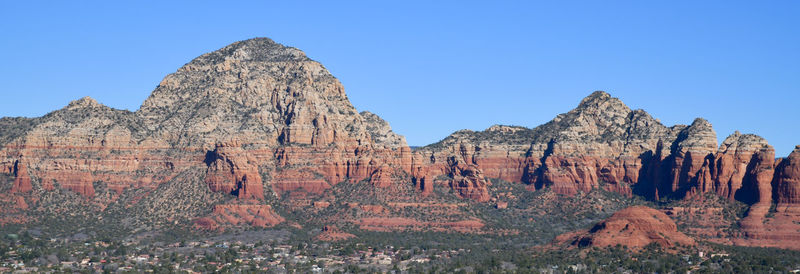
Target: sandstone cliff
774, 224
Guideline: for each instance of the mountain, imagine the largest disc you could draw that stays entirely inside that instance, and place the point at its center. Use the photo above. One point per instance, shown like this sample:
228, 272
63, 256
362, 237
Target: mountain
257, 134
251, 113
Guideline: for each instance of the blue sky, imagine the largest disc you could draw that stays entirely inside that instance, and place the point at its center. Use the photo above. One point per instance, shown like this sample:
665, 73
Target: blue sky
433, 68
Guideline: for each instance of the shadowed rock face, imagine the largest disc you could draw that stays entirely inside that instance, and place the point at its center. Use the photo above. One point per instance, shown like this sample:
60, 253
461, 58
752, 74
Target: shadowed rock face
744, 169
787, 180
257, 120
230, 171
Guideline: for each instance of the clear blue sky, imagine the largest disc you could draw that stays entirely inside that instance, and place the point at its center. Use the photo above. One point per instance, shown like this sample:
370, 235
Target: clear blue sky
430, 69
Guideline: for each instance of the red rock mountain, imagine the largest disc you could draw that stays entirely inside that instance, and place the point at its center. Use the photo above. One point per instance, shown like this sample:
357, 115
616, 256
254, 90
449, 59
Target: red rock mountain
250, 114
255, 126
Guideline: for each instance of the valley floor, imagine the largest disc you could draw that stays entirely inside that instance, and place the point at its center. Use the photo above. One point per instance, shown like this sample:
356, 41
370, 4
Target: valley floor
277, 253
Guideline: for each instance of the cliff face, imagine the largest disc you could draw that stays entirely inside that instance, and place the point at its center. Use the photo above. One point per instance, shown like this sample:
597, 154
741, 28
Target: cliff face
778, 226
734, 170
787, 180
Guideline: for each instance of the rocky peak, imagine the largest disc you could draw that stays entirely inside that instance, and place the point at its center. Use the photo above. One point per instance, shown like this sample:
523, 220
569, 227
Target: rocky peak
598, 118
85, 114
494, 135
699, 137
236, 72
599, 114
601, 101
380, 131
743, 142
642, 125
256, 88
85, 102
505, 129
644, 132
253, 50
596, 97
787, 182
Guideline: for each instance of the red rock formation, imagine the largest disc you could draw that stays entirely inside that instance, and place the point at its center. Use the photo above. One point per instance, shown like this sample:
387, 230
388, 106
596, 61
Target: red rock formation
733, 163
787, 180
757, 191
382, 177
293, 180
422, 179
230, 171
780, 229
470, 183
691, 151
334, 164
568, 175
463, 176
22, 181
634, 227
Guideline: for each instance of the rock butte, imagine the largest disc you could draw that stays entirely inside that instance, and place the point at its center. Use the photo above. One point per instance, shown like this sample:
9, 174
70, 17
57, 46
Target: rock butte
634, 227
257, 120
